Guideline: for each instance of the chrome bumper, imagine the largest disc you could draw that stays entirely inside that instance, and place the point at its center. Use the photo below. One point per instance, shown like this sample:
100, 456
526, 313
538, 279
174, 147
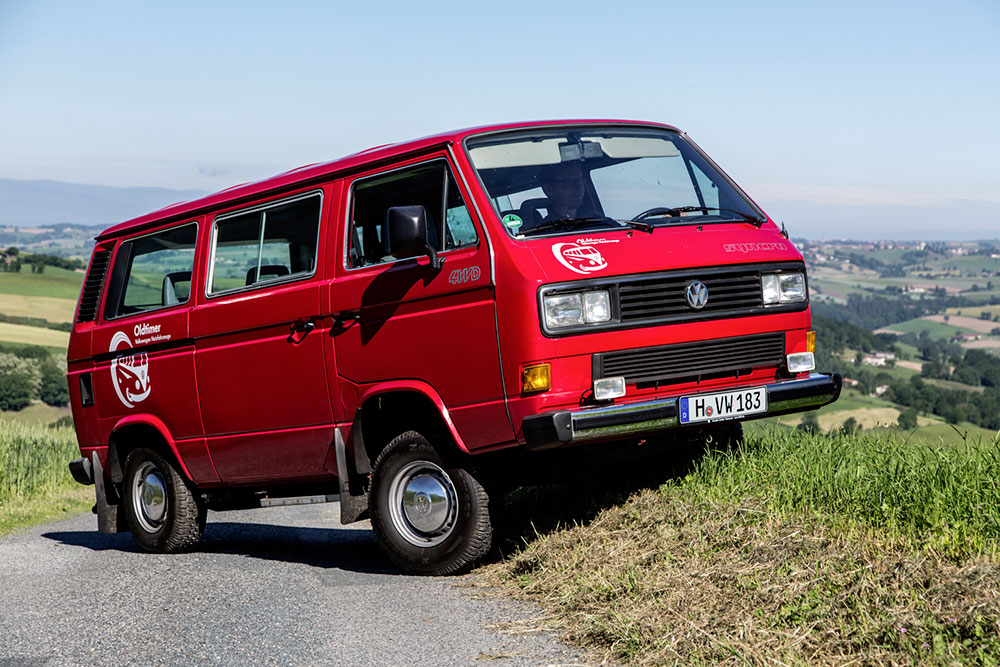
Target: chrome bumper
564, 427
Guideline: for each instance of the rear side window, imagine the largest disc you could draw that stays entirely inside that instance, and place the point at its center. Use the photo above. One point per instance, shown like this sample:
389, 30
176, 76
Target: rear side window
429, 185
152, 272
266, 244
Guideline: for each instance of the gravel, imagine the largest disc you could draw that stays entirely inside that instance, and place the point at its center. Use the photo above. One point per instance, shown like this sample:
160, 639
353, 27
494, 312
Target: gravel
275, 586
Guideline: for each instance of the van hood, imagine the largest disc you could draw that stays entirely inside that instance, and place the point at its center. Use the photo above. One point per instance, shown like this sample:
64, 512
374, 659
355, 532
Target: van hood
623, 252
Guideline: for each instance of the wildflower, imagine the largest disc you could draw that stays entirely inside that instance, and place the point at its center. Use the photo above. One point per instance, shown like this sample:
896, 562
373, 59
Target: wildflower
902, 631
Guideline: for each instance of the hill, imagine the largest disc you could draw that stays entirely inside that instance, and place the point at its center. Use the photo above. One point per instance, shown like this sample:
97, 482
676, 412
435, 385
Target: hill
27, 203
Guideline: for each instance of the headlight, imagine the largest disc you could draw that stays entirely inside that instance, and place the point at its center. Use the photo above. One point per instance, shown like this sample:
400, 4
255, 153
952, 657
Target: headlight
576, 309
783, 287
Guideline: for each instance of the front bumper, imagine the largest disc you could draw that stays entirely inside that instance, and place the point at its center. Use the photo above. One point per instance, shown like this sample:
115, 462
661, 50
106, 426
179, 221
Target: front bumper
564, 427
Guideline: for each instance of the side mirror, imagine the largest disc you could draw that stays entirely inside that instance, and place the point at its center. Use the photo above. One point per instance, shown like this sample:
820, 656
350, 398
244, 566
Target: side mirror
404, 234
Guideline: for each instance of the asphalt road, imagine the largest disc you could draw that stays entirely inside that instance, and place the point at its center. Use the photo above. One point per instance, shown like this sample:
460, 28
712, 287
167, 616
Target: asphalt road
286, 585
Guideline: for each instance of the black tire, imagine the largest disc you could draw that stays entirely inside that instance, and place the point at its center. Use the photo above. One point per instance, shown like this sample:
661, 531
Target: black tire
163, 514
448, 529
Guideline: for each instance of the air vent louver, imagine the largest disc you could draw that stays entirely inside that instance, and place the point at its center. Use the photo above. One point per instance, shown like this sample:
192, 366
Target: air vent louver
92, 286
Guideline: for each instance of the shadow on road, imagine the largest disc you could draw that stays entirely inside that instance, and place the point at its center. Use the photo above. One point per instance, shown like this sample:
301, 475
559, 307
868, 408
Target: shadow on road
351, 550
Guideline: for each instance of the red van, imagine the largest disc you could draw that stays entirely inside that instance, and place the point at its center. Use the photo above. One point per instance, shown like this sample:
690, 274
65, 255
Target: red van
407, 328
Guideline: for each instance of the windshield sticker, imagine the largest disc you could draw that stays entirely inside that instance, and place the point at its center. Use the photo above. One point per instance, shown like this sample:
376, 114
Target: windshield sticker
579, 258
512, 221
753, 247
129, 374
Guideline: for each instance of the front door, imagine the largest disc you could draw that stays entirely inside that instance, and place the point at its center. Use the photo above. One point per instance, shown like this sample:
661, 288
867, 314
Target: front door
410, 322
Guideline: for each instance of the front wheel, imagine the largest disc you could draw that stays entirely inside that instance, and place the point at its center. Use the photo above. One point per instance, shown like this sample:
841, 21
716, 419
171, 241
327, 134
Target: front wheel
163, 514
430, 518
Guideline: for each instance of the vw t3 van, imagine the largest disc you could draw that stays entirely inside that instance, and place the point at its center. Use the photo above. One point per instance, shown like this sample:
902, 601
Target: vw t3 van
412, 329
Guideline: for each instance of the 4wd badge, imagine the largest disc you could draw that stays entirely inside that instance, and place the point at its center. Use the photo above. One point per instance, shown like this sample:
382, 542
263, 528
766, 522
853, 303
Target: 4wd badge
129, 374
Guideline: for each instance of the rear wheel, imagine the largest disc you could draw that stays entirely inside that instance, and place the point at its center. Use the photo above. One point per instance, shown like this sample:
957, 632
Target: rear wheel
429, 517
162, 512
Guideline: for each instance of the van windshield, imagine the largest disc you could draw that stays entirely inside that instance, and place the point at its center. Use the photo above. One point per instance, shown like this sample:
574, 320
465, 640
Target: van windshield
562, 180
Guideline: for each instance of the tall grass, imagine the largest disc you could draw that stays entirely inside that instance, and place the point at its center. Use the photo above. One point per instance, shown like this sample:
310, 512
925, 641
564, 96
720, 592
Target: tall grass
33, 460
944, 497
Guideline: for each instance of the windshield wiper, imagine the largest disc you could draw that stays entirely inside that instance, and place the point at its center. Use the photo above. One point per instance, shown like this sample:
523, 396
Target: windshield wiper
563, 223
570, 223
663, 211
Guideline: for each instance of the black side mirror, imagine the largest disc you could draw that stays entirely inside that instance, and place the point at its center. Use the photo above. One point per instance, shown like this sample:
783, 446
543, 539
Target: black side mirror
404, 234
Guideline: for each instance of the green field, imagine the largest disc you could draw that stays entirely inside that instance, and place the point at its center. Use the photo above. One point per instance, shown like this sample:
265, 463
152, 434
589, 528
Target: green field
54, 282
974, 311
18, 333
37, 413
936, 330
49, 308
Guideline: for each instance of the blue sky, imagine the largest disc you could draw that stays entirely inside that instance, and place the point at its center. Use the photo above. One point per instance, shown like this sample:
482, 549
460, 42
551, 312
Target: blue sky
833, 116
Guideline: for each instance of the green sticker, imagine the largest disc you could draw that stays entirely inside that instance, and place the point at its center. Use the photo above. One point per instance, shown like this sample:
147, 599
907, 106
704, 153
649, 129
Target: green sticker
512, 221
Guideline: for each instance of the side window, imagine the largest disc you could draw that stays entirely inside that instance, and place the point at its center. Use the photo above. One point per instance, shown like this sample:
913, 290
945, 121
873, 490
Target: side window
429, 185
276, 242
152, 272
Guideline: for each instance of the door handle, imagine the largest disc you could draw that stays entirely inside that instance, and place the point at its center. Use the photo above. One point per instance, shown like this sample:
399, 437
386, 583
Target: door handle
302, 326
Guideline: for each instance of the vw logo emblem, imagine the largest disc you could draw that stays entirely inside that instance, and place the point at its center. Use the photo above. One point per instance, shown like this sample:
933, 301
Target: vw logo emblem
697, 294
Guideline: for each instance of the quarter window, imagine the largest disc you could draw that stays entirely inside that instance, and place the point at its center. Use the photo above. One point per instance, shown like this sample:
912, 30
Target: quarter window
152, 272
268, 244
429, 185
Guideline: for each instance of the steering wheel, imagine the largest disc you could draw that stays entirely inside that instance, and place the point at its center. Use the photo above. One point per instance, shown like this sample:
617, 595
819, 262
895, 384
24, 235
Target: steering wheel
648, 213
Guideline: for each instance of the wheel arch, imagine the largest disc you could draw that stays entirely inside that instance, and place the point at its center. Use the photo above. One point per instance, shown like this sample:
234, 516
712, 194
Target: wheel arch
412, 405
140, 430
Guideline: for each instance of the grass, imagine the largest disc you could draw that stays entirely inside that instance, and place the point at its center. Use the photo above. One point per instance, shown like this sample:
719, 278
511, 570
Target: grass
54, 282
19, 333
793, 549
35, 483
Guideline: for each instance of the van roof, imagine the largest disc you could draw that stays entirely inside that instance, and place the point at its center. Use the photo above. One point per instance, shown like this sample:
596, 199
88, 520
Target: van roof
319, 171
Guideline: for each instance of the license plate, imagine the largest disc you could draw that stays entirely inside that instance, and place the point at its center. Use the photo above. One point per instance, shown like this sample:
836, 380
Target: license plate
723, 405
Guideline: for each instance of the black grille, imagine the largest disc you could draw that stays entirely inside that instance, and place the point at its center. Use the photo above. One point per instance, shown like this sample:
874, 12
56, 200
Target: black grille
670, 364
664, 297
92, 286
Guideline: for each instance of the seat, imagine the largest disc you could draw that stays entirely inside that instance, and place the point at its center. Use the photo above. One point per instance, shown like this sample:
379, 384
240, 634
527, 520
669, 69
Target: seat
168, 292
266, 271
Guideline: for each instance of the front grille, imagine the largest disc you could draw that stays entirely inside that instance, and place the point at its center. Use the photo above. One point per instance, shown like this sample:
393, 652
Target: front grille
671, 364
91, 293
663, 297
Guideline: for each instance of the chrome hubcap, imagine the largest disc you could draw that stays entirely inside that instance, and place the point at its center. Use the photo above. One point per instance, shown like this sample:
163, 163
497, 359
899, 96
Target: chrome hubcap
149, 497
422, 504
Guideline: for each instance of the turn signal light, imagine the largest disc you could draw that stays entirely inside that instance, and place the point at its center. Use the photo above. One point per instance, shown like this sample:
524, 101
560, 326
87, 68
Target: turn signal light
536, 378
811, 341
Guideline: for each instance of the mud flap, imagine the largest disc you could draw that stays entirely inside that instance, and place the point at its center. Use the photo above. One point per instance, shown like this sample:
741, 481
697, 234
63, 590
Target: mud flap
352, 507
107, 514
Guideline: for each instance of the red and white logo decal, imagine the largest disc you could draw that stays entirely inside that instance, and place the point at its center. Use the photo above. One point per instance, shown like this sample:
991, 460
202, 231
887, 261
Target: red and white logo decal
129, 374
580, 258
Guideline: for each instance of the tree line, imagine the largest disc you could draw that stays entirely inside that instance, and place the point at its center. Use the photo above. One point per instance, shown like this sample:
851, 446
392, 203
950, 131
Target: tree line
28, 373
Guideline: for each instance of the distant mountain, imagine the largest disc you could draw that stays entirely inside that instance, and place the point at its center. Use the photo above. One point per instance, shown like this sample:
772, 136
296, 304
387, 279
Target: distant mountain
46, 203
960, 220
